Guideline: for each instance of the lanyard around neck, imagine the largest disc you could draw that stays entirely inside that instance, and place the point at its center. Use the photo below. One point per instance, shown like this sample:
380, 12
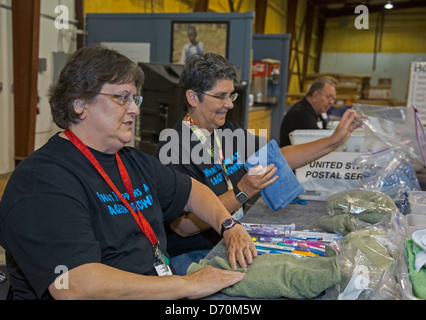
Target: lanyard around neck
216, 156
139, 218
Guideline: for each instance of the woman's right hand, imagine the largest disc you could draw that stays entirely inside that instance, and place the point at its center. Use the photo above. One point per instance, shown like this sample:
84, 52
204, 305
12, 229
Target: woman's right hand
257, 179
209, 280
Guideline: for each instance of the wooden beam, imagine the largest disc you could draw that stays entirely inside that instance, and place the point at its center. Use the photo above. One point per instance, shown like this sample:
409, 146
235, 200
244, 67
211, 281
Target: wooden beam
291, 29
201, 6
320, 40
79, 16
261, 7
231, 6
310, 16
300, 67
26, 30
327, 2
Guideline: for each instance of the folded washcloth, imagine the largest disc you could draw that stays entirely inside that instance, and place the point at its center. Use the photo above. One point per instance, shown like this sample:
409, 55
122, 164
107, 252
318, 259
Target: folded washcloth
365, 204
419, 237
281, 275
279, 194
340, 223
373, 243
418, 279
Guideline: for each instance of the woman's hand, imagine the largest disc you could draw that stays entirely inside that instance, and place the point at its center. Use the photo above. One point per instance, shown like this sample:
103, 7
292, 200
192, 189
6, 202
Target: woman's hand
257, 179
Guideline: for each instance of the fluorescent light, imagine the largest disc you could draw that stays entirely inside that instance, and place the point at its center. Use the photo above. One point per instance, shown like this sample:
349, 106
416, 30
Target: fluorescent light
389, 5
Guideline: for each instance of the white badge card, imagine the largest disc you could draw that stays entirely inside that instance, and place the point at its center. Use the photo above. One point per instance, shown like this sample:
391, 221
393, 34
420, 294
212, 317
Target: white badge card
239, 214
162, 269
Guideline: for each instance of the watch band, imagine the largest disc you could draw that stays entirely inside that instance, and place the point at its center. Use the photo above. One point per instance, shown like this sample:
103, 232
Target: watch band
228, 224
240, 195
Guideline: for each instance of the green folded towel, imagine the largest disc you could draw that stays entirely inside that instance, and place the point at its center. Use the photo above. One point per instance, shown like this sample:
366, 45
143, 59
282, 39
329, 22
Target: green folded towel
418, 279
367, 205
281, 275
341, 223
368, 241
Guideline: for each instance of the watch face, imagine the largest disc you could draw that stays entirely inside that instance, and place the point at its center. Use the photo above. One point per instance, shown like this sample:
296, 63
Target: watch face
228, 223
242, 197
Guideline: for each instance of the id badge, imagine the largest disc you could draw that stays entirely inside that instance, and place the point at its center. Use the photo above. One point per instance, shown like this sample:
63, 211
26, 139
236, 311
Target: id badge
239, 214
162, 269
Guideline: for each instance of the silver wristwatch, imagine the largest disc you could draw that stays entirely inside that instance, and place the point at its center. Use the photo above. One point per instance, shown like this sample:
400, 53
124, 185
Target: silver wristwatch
240, 195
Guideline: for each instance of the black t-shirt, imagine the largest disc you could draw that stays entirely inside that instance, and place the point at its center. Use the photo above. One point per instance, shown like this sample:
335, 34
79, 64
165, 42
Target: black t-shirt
299, 116
180, 149
58, 211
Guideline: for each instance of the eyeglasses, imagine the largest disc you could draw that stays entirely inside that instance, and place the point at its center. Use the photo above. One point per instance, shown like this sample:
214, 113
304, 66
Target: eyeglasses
329, 97
125, 98
223, 98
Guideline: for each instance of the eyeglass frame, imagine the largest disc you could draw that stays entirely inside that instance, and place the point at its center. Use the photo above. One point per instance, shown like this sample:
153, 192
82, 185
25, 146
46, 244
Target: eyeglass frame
329, 97
125, 98
224, 99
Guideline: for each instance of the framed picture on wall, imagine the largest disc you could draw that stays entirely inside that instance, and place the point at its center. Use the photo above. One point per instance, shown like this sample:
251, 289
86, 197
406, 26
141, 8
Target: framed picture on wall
198, 37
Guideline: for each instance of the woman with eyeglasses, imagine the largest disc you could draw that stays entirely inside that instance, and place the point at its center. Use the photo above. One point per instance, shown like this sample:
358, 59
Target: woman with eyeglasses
213, 150
83, 216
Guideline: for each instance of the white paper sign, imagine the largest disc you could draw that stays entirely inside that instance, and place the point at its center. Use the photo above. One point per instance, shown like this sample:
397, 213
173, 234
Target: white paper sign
417, 88
331, 173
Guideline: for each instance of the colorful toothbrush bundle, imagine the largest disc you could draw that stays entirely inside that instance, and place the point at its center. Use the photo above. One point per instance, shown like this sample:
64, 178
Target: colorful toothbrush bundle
285, 239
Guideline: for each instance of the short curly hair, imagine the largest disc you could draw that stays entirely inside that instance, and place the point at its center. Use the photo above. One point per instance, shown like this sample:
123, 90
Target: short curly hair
201, 72
83, 76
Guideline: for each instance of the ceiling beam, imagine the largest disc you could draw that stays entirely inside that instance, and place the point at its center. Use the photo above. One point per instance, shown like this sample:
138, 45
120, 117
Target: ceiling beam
327, 2
348, 11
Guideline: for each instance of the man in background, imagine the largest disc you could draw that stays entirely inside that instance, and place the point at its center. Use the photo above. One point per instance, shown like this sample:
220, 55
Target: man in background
310, 112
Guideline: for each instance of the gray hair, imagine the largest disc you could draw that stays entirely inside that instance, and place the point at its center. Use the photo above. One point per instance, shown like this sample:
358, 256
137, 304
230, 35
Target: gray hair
203, 70
319, 84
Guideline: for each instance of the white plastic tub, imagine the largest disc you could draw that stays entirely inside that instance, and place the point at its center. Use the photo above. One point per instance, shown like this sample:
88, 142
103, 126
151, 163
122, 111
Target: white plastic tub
356, 142
417, 201
415, 222
404, 279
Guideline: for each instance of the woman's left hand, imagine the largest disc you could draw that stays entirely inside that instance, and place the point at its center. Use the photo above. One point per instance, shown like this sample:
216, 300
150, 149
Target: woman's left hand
239, 247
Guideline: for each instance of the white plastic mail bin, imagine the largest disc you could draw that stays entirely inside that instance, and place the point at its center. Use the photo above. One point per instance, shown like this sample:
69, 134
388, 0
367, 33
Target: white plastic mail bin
334, 172
356, 142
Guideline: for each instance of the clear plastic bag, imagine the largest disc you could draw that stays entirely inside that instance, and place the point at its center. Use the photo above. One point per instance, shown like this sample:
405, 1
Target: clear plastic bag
365, 204
388, 171
397, 127
340, 223
391, 172
368, 260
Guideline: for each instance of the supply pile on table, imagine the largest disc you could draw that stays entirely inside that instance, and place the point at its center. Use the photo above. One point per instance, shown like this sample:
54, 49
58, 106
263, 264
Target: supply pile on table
372, 242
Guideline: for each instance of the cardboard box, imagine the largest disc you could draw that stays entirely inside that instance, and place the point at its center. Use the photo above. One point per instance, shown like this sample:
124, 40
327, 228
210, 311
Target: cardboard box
347, 84
379, 92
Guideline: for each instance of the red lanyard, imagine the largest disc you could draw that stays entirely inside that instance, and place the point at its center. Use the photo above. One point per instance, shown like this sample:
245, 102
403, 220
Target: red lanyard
139, 218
